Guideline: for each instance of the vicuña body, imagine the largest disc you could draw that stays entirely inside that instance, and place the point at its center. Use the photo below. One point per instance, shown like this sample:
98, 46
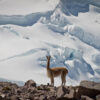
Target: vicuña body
56, 71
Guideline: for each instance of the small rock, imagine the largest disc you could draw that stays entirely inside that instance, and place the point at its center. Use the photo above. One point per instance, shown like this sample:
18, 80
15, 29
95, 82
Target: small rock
70, 94
51, 98
61, 91
19, 91
30, 83
43, 97
32, 90
3, 95
14, 97
86, 98
98, 97
36, 98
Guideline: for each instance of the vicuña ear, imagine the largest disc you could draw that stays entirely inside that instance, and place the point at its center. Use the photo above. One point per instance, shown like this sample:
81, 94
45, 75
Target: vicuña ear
47, 57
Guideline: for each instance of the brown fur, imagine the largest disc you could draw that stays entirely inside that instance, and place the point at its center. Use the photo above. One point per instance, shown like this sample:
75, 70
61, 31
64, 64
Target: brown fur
56, 71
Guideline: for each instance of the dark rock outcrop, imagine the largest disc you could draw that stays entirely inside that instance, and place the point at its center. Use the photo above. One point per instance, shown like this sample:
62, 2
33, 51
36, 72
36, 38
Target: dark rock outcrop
87, 90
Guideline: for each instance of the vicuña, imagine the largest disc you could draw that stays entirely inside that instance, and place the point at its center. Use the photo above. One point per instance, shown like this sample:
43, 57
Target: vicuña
56, 71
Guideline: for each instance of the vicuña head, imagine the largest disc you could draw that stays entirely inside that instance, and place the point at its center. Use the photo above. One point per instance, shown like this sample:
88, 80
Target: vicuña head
56, 71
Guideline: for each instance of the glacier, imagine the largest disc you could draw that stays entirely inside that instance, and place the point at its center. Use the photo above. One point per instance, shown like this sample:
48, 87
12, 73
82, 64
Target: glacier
69, 32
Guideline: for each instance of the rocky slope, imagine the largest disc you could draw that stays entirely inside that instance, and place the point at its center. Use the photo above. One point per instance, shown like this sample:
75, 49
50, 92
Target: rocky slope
87, 90
68, 30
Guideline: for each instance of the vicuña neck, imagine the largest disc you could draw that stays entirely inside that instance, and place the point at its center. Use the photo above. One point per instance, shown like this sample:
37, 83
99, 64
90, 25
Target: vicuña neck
48, 64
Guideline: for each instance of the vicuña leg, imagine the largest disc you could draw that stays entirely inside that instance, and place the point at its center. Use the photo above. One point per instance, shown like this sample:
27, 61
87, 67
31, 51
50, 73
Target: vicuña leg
63, 78
52, 80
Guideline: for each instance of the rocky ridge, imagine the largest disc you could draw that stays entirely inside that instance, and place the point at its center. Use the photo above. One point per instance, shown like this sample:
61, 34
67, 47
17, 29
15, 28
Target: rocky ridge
87, 90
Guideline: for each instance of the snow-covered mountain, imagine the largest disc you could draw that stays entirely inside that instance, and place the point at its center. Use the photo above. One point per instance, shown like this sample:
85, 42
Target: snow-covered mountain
68, 30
